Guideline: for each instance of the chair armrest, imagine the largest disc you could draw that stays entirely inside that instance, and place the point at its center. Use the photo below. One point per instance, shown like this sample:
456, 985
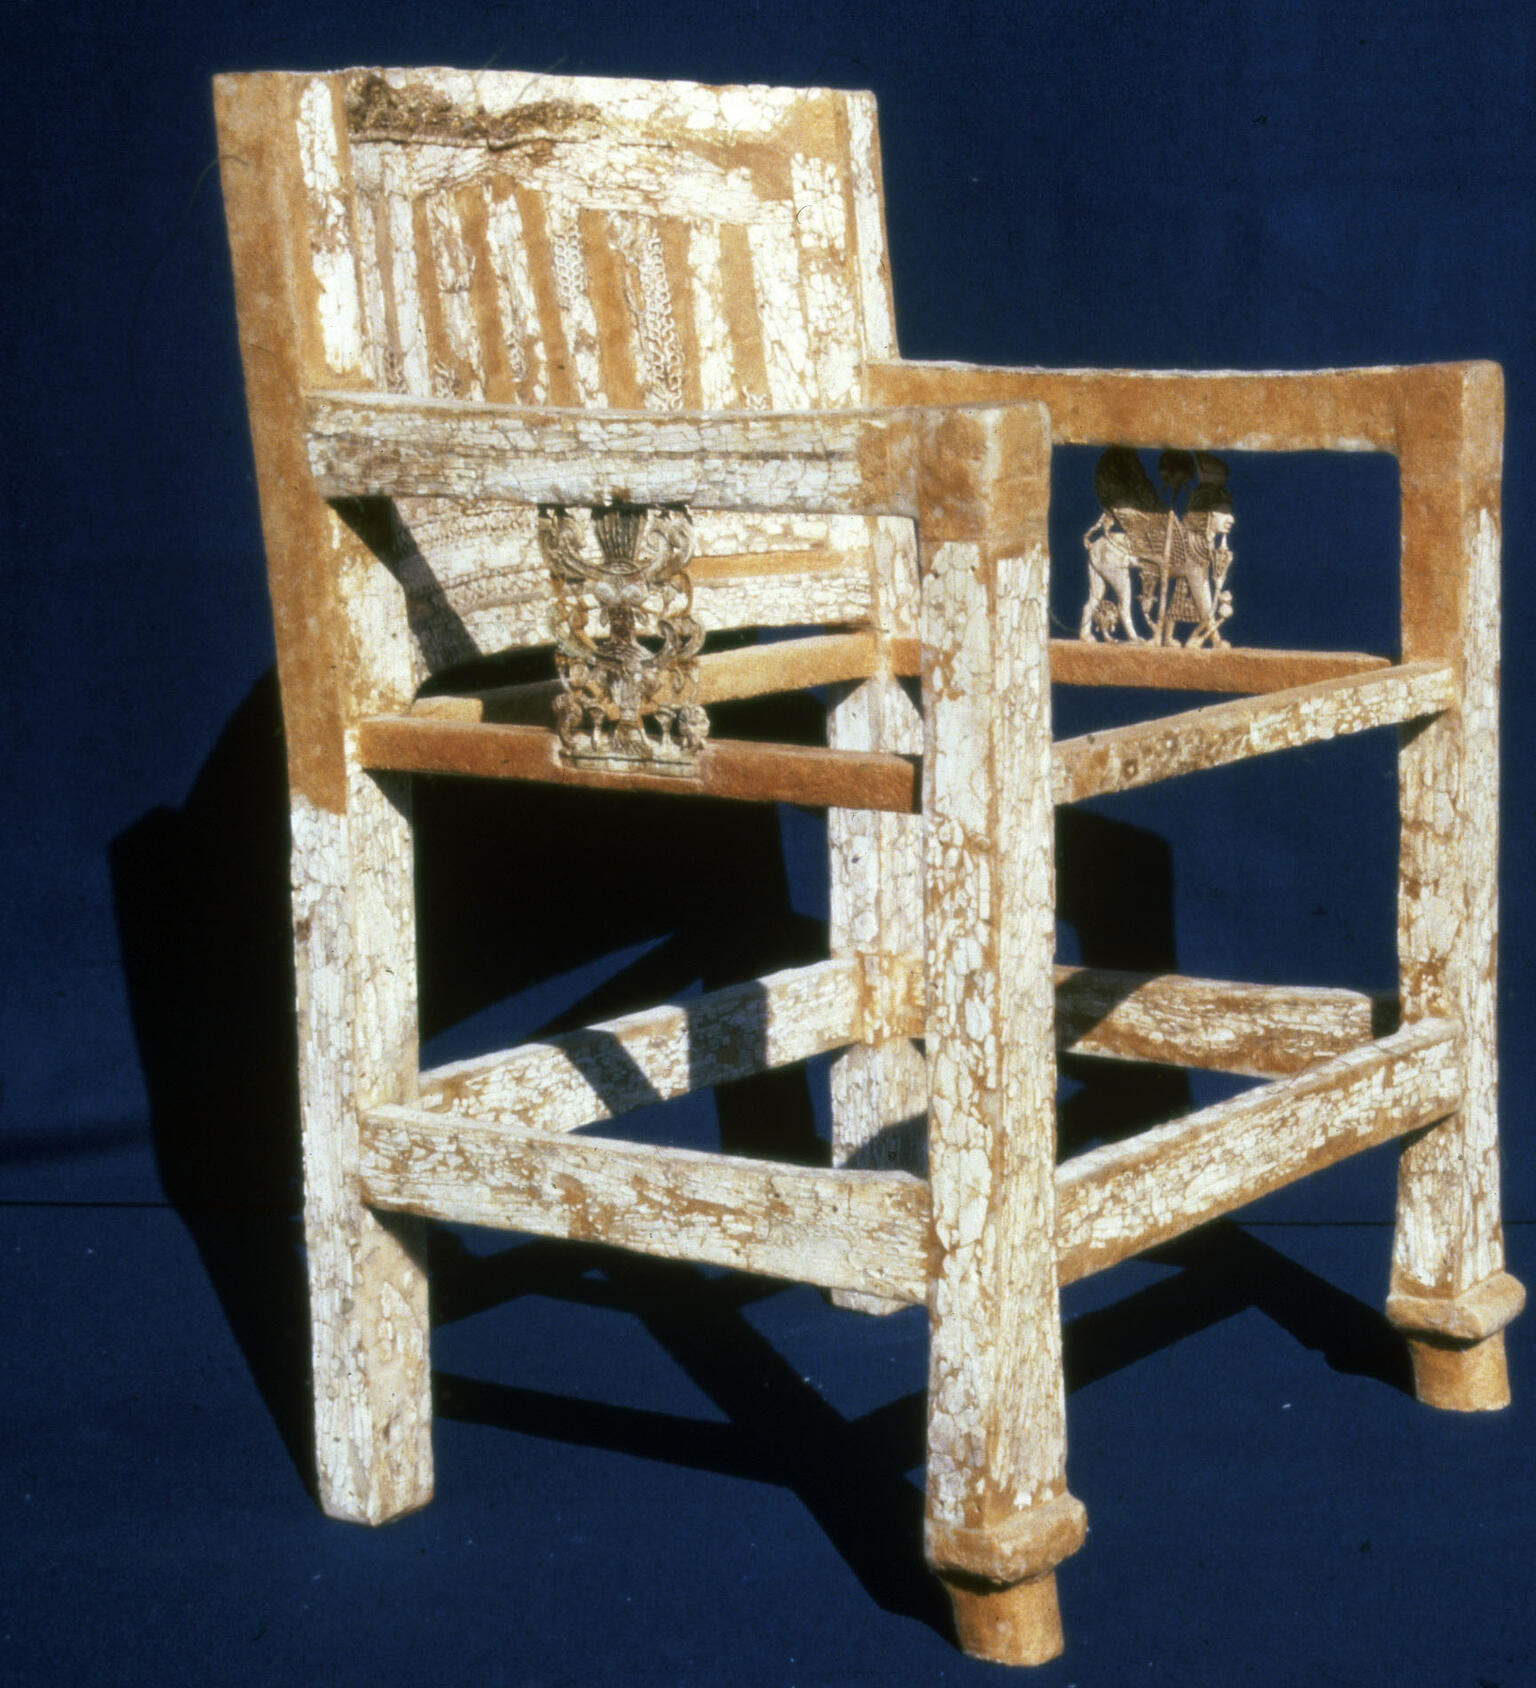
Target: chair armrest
953, 468
1444, 422
1386, 409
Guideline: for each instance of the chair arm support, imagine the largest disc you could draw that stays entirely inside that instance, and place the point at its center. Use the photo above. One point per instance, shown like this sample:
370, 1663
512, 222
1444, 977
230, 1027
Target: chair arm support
961, 471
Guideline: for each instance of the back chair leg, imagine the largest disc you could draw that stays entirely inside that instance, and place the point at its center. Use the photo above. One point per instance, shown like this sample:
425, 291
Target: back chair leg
879, 1086
355, 955
1450, 1293
999, 1515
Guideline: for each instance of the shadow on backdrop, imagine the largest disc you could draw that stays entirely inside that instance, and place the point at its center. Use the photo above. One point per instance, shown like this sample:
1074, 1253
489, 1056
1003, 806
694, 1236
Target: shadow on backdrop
517, 885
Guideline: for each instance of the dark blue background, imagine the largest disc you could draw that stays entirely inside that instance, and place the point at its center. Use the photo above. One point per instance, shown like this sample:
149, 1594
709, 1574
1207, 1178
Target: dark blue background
1251, 186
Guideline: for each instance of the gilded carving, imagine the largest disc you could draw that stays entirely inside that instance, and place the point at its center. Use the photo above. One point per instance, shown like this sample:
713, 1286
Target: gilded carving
1179, 563
626, 638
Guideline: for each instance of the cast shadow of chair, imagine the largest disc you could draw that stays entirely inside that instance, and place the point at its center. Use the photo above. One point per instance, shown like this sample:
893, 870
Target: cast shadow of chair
202, 905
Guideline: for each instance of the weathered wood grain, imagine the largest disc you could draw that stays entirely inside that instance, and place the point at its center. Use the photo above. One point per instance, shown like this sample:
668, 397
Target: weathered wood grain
1449, 1238
1215, 410
594, 241
879, 1087
786, 665
286, 172
1089, 766
735, 768
1115, 1201
1124, 757
604, 1070
388, 445
1226, 668
864, 1231
356, 1008
997, 1503
930, 463
427, 253
1266, 1031
824, 659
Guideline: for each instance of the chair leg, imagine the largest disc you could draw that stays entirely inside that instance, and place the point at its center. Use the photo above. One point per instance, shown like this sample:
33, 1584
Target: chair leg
355, 954
1450, 1294
999, 1515
879, 1088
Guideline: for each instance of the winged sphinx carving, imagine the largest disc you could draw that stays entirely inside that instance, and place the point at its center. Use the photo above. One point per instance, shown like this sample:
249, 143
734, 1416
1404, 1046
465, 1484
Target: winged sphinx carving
1178, 564
626, 638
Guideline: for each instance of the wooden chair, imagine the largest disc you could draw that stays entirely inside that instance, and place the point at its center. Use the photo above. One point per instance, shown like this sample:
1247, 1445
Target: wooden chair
466, 299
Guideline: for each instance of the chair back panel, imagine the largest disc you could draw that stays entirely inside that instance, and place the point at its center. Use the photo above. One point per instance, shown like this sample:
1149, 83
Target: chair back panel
586, 242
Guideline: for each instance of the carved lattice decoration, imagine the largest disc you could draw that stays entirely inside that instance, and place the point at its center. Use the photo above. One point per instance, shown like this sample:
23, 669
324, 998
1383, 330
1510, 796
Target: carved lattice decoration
626, 638
1178, 564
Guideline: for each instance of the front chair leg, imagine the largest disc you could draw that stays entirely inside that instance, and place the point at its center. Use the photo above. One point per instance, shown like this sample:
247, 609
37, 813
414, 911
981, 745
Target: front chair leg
999, 1516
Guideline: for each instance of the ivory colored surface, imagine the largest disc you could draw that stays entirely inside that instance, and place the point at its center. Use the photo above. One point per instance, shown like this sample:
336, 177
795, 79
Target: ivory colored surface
996, 1402
1124, 1197
844, 1229
607, 1069
1124, 757
1449, 1236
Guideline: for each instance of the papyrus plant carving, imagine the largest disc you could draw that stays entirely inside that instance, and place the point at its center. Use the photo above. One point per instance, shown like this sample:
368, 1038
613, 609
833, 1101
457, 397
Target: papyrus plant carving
626, 638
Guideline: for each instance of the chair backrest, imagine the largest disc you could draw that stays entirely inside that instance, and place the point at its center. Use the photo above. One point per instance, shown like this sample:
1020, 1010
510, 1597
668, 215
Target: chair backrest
581, 242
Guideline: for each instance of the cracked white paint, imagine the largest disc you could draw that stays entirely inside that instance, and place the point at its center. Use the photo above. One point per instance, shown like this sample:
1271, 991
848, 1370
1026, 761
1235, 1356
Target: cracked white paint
995, 1397
792, 376
879, 1089
627, 1063
1123, 757
368, 1297
331, 253
1116, 1200
831, 307
864, 1231
517, 305
1449, 1238
459, 369
719, 384
411, 354
879, 317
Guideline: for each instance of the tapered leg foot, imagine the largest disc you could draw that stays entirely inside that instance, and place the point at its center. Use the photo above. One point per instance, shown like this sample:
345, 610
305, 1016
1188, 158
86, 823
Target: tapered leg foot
1461, 1377
1012, 1623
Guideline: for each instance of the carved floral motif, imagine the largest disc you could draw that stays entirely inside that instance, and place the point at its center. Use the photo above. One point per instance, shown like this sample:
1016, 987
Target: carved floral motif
626, 638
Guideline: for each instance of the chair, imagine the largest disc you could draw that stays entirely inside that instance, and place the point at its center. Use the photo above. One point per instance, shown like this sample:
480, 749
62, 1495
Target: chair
475, 307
